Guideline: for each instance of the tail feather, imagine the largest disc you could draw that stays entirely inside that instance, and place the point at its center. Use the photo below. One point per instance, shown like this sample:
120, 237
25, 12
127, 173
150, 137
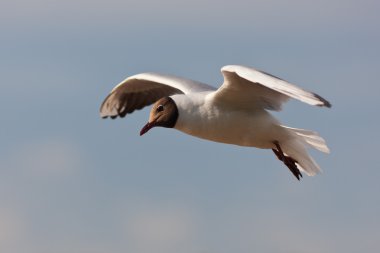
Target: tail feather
311, 138
296, 149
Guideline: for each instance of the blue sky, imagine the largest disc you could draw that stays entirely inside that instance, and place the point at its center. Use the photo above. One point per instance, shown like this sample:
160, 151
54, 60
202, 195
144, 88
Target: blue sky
71, 182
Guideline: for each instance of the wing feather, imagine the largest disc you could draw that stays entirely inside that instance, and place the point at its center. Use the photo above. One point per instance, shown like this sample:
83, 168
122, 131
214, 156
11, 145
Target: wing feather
141, 90
251, 87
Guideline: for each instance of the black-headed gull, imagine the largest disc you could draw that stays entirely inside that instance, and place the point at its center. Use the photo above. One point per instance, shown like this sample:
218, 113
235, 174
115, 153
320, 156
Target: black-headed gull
236, 113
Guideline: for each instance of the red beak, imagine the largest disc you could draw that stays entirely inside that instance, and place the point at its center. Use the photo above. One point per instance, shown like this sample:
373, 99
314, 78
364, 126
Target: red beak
147, 127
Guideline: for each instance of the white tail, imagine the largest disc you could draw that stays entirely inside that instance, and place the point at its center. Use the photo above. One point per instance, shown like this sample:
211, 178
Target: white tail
296, 148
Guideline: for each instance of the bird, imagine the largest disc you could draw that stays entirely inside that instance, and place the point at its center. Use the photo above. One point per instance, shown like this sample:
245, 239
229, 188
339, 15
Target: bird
236, 113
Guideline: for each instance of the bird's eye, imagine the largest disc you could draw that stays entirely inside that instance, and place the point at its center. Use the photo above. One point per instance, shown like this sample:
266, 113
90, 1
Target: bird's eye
160, 108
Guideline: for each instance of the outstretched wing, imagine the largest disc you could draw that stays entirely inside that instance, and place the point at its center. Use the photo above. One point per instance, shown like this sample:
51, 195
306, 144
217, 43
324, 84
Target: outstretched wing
248, 87
141, 90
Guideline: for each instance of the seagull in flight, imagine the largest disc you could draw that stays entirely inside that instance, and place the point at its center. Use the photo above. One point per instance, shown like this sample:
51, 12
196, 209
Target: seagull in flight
236, 113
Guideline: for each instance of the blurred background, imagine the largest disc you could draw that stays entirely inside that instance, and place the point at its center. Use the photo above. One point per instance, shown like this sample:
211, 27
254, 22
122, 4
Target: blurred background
71, 182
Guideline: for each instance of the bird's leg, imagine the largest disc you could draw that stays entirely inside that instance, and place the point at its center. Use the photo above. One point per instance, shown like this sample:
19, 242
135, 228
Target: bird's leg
277, 154
287, 160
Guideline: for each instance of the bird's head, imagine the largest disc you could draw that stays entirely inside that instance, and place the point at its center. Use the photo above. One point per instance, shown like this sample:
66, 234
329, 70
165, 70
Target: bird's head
164, 113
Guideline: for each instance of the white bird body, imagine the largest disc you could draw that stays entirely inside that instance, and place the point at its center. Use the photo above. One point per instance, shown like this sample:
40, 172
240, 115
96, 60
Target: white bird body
236, 113
201, 116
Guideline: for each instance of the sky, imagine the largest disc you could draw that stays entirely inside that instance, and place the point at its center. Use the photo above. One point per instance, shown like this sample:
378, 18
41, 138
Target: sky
71, 182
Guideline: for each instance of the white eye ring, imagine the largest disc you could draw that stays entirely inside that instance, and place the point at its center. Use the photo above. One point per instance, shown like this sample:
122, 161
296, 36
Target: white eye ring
160, 108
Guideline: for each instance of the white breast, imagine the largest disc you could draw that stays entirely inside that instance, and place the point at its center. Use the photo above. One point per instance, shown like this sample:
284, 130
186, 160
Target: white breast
200, 117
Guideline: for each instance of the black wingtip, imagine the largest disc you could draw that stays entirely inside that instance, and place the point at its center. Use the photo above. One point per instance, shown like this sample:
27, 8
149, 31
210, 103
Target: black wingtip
113, 116
325, 102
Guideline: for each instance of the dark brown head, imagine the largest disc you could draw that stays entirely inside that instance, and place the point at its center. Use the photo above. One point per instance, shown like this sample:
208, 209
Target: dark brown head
164, 113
